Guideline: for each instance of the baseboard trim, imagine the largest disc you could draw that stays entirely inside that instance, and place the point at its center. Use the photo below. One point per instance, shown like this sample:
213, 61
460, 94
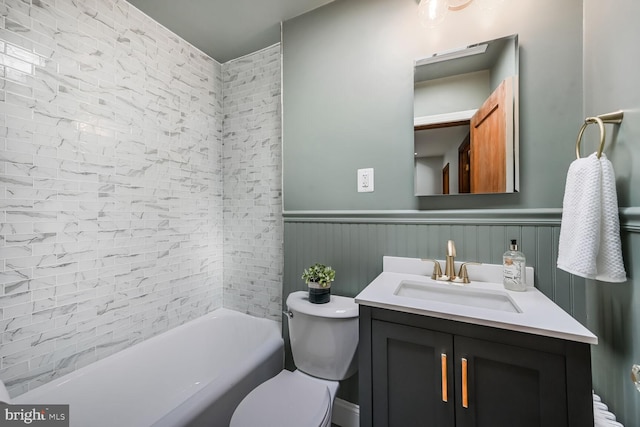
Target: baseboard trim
345, 414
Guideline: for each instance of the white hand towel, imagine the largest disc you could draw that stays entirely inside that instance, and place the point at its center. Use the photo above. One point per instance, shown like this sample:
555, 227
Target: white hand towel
609, 264
590, 230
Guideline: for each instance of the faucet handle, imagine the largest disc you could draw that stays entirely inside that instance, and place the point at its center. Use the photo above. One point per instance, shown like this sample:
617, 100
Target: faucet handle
437, 270
463, 275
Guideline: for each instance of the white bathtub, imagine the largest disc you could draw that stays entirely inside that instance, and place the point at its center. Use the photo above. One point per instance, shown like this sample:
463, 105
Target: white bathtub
195, 375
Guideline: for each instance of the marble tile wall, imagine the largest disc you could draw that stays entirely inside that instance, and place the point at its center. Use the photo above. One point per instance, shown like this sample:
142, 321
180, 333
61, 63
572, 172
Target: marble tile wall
111, 184
252, 165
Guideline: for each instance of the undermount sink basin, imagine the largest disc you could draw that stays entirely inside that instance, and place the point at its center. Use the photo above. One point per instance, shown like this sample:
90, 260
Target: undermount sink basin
453, 294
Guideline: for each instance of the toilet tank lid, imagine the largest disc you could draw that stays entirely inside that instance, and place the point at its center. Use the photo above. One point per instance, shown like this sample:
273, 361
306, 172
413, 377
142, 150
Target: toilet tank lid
338, 307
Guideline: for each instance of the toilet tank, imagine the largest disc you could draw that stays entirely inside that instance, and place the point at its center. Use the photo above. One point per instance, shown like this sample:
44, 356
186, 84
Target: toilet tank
324, 337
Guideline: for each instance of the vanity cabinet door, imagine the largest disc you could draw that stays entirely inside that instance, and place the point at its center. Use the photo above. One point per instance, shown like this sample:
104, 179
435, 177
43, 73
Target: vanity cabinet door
509, 386
512, 379
412, 376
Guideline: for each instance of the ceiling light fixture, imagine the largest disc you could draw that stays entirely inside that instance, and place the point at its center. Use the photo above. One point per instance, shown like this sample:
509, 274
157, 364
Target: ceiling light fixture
433, 12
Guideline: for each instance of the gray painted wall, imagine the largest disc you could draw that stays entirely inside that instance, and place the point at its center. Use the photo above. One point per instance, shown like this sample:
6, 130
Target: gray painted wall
611, 69
354, 246
355, 249
451, 94
348, 86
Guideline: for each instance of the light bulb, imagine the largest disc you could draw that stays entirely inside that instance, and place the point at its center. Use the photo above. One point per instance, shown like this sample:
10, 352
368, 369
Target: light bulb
432, 12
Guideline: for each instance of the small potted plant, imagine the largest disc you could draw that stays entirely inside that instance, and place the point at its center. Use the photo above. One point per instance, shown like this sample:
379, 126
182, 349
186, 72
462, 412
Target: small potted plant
319, 277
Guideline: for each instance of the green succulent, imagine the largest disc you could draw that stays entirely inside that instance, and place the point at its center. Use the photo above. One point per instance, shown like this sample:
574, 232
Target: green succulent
320, 274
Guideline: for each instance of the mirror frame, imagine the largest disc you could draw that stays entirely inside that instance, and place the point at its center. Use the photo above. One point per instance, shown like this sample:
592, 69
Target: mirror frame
457, 81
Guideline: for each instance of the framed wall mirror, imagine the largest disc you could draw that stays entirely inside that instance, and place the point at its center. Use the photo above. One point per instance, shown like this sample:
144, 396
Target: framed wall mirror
466, 120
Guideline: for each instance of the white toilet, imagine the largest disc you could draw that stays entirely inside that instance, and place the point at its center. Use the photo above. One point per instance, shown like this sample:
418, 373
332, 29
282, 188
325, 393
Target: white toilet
324, 342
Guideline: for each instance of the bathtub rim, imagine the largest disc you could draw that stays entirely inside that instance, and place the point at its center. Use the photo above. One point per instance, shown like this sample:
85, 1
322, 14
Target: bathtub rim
50, 387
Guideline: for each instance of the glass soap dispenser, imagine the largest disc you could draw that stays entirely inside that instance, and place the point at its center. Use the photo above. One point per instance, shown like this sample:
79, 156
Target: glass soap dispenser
513, 263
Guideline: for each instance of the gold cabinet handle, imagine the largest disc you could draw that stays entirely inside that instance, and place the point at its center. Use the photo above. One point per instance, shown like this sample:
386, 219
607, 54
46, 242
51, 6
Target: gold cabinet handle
465, 391
445, 391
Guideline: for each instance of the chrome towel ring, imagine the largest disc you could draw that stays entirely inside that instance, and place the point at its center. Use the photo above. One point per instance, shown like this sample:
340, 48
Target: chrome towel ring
615, 117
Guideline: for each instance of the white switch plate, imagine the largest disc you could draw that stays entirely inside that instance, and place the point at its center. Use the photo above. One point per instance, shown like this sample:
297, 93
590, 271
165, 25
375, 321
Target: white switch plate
365, 180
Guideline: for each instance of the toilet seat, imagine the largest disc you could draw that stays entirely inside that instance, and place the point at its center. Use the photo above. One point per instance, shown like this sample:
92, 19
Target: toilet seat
286, 400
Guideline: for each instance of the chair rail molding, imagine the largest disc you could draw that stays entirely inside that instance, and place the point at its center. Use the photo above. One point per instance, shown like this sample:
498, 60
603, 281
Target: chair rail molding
629, 217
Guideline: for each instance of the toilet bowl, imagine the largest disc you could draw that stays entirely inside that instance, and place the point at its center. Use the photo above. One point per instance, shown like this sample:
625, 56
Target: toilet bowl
324, 343
290, 399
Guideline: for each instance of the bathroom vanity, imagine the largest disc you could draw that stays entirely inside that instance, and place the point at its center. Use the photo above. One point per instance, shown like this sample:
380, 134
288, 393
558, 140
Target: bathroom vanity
446, 355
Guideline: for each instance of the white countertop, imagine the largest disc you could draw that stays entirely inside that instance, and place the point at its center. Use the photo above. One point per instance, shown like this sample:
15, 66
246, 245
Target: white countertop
539, 315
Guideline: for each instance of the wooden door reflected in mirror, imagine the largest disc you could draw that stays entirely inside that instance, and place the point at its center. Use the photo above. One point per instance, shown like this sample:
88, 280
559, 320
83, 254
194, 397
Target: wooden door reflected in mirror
464, 166
490, 153
445, 179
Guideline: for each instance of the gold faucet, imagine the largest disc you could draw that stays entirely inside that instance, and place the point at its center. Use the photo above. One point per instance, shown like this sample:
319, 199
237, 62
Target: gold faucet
450, 267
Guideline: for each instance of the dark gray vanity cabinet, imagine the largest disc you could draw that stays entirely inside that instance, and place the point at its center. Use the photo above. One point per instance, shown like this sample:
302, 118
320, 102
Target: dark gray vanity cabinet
413, 368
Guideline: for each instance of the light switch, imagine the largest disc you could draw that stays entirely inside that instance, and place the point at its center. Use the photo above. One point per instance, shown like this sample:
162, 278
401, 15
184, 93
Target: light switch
365, 180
